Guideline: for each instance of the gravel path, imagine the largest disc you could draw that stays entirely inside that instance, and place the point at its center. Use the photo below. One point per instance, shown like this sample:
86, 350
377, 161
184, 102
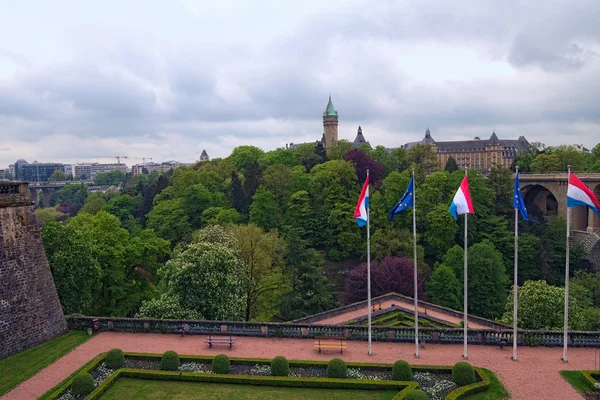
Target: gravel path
534, 376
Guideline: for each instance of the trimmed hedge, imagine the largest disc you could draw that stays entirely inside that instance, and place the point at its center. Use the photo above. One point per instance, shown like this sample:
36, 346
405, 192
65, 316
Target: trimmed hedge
416, 394
221, 364
280, 366
401, 371
115, 359
463, 374
169, 361
83, 384
404, 387
337, 369
588, 378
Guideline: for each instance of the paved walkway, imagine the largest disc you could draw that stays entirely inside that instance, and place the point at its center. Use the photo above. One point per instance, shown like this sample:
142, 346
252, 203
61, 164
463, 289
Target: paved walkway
403, 305
534, 376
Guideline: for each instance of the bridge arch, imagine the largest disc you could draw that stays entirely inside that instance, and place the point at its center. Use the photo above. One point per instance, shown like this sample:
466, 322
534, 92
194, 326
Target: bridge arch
539, 199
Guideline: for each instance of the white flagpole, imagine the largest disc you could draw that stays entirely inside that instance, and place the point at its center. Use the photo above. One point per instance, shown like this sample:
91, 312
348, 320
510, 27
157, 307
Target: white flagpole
465, 289
515, 284
416, 298
566, 323
369, 269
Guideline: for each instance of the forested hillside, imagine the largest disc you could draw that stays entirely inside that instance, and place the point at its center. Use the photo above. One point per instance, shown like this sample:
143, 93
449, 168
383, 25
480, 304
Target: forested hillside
247, 237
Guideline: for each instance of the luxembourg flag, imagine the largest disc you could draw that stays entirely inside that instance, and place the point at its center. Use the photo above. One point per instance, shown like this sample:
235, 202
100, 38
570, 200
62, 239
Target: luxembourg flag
462, 200
360, 212
578, 194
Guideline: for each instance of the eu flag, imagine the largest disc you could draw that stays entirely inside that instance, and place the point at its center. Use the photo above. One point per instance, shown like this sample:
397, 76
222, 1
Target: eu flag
407, 200
518, 202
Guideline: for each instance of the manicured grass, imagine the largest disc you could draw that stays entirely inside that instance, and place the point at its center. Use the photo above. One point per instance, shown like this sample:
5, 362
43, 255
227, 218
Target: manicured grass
496, 390
22, 366
576, 380
128, 388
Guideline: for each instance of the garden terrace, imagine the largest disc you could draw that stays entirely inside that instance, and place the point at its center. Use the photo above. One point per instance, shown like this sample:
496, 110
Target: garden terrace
435, 380
534, 376
397, 317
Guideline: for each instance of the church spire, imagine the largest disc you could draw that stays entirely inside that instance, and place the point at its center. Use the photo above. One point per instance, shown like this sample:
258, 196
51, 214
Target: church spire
330, 110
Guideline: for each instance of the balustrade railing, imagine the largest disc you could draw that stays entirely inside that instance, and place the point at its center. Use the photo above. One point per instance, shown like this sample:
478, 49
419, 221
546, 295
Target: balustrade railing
490, 337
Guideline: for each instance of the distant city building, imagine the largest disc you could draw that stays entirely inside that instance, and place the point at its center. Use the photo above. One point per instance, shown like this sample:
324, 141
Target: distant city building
161, 167
88, 171
579, 147
204, 156
36, 172
479, 154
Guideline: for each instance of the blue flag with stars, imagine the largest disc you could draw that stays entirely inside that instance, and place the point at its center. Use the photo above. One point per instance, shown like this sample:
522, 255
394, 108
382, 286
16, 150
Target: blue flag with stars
518, 202
407, 200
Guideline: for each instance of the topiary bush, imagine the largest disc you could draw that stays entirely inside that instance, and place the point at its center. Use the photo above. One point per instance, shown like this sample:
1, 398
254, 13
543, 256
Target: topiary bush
280, 366
416, 394
401, 371
337, 369
463, 374
114, 359
83, 383
221, 364
169, 361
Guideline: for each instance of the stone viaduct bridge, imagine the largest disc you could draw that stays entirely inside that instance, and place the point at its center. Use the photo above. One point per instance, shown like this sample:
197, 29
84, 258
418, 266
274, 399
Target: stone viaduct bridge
548, 192
45, 190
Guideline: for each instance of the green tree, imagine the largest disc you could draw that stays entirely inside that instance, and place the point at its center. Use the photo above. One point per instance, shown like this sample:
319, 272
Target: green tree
487, 281
283, 157
93, 204
264, 210
443, 288
541, 307
501, 182
71, 193
44, 215
58, 176
203, 281
109, 178
243, 156
440, 231
424, 159
76, 272
261, 255
221, 216
451, 165
590, 281
169, 220
279, 180
394, 160
339, 149
309, 156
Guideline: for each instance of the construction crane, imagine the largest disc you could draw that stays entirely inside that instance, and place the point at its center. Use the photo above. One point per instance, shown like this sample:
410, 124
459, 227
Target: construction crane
143, 159
117, 157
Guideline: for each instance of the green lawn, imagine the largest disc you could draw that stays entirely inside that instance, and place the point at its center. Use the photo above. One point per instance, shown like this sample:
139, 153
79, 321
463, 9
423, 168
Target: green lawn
576, 380
128, 388
24, 365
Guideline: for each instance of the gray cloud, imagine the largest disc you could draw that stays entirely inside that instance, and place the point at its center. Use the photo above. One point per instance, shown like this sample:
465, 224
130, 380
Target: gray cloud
526, 69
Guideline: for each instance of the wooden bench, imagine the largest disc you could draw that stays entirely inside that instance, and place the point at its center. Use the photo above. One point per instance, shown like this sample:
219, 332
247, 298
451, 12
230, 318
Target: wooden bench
220, 340
330, 343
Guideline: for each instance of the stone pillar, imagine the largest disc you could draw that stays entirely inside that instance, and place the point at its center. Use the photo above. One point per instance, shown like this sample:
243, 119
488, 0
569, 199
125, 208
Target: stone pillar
34, 196
46, 195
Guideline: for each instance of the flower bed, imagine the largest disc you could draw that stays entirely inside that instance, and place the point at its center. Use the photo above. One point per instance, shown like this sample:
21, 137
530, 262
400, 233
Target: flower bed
435, 381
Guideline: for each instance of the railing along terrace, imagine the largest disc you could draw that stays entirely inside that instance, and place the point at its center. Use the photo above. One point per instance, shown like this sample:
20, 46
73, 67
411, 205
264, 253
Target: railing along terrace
490, 337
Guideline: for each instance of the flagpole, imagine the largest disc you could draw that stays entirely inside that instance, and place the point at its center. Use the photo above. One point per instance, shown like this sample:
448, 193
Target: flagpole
465, 289
416, 298
566, 322
369, 270
515, 282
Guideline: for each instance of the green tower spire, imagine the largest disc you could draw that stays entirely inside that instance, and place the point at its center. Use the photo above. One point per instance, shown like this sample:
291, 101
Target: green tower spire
330, 110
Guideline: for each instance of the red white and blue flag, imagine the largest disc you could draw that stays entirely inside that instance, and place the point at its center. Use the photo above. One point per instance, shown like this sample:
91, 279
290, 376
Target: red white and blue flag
462, 200
578, 194
360, 212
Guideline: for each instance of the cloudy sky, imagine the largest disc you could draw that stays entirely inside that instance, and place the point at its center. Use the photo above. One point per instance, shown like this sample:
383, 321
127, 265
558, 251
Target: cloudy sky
82, 80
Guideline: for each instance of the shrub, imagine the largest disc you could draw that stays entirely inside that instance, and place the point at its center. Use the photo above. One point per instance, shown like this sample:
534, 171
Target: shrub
169, 361
83, 383
463, 374
416, 394
337, 369
400, 317
114, 359
221, 364
280, 366
401, 371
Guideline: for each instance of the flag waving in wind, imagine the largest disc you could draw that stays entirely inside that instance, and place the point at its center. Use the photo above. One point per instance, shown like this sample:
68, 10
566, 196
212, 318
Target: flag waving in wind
407, 200
360, 212
518, 202
578, 194
462, 200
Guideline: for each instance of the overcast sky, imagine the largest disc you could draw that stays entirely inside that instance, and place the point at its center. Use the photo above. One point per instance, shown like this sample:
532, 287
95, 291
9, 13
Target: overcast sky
80, 80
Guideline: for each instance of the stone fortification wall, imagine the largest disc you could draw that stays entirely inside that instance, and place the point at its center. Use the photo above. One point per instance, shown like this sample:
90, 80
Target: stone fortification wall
30, 311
